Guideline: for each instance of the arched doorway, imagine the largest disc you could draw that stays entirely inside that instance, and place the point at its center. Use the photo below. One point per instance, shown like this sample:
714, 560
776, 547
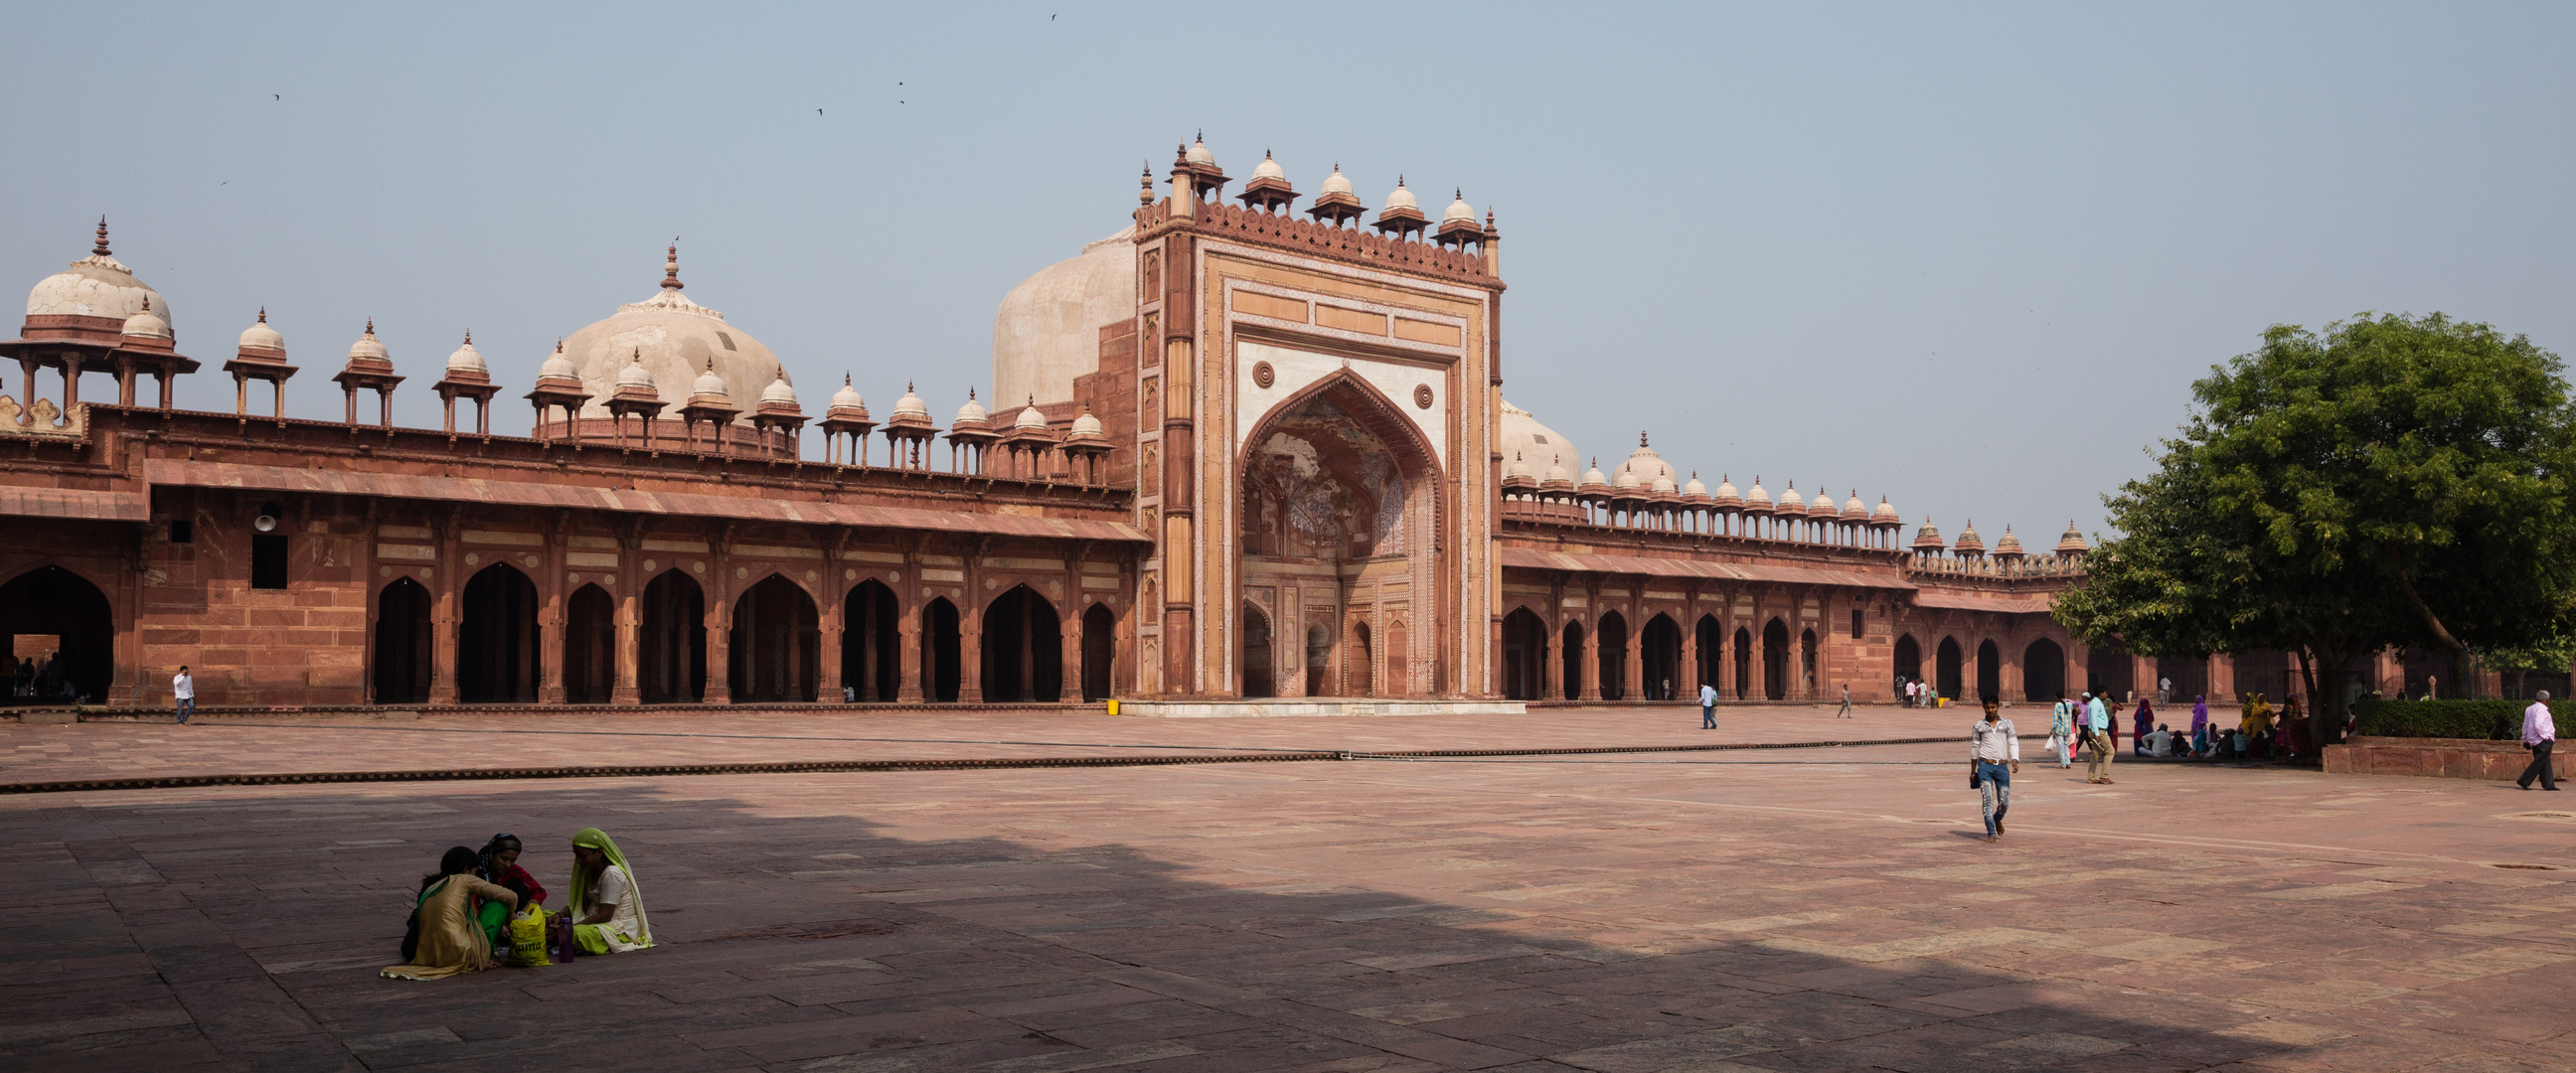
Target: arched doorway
402, 643
1319, 657
671, 651
1990, 671
589, 646
1660, 658
1099, 652
772, 654
1743, 663
2109, 671
2190, 678
2043, 670
496, 644
1612, 643
1775, 660
1945, 668
943, 670
1396, 679
871, 652
1807, 672
1909, 663
1573, 659
1524, 654
1257, 645
1361, 657
1712, 650
1023, 644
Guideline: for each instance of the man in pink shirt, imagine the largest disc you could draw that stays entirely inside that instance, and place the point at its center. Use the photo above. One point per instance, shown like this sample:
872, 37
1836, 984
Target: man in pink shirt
2539, 732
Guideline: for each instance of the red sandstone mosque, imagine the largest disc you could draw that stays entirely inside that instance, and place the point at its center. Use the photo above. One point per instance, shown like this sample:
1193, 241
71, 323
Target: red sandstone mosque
1236, 450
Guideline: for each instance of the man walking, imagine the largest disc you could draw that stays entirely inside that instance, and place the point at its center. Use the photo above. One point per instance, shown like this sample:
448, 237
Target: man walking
1707, 706
185, 689
2061, 732
2097, 727
1994, 754
2539, 732
1846, 712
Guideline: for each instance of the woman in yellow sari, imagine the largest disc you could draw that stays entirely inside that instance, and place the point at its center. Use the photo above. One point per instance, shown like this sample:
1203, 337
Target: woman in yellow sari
2257, 726
451, 936
607, 902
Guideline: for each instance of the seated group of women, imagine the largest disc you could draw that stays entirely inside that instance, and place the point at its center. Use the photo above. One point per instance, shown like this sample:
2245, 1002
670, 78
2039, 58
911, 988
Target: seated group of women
462, 909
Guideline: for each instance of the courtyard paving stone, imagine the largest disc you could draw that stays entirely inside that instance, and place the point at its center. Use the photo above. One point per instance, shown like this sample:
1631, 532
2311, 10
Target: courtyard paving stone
1818, 910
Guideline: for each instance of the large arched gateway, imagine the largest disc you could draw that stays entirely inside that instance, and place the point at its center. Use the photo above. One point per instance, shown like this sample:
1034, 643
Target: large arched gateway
76, 628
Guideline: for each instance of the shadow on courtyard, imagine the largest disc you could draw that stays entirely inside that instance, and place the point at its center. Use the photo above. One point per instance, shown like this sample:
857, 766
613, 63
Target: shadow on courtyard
248, 930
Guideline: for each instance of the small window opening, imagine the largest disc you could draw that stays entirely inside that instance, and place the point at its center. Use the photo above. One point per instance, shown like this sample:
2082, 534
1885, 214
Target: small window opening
1856, 623
183, 531
267, 561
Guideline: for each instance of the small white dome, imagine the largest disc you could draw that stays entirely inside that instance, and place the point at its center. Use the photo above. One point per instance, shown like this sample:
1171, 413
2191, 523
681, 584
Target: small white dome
1593, 475
1517, 467
910, 405
1336, 183
1268, 168
635, 374
259, 336
1086, 425
1886, 512
1726, 490
1030, 417
1663, 483
1459, 210
1694, 488
467, 359
779, 390
368, 346
1556, 473
1757, 498
1198, 153
972, 412
147, 324
1790, 500
1624, 479
709, 385
1401, 198
848, 397
560, 367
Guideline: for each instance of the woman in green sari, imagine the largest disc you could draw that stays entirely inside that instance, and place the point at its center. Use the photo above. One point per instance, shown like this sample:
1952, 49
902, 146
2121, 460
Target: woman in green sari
607, 905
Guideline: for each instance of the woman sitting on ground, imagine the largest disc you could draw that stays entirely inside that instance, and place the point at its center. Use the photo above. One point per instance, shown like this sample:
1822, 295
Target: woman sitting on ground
451, 938
498, 864
607, 903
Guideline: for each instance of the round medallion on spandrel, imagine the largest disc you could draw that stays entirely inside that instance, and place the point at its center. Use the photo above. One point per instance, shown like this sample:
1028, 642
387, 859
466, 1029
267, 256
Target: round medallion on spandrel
1263, 375
1422, 396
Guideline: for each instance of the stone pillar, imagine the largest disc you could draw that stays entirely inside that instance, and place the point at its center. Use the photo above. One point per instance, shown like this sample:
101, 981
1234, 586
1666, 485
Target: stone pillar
970, 655
833, 619
1071, 631
2014, 674
1590, 664
445, 616
1635, 658
630, 641
907, 649
550, 638
2222, 679
1686, 676
719, 644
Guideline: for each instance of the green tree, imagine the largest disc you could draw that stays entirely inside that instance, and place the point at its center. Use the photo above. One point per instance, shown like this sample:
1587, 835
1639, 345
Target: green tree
2392, 481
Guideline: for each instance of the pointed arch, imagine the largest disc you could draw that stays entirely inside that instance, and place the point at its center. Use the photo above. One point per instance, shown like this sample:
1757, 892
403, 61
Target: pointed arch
1908, 662
1775, 660
589, 646
2043, 670
1364, 403
1712, 650
1023, 648
942, 669
1257, 646
1945, 668
1612, 644
1573, 659
1524, 655
1099, 652
1990, 670
871, 654
402, 636
777, 636
497, 658
1660, 646
671, 656
1743, 663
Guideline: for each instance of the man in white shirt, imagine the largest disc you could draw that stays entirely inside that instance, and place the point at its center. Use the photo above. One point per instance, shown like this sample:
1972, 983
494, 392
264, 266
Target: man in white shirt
2160, 743
1994, 754
2539, 732
1707, 706
1846, 712
184, 688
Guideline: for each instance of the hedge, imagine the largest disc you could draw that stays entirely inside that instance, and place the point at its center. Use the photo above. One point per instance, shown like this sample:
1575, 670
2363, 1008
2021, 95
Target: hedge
2489, 720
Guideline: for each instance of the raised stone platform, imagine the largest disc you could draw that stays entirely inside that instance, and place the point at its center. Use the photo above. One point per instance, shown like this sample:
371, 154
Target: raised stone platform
2446, 758
1279, 706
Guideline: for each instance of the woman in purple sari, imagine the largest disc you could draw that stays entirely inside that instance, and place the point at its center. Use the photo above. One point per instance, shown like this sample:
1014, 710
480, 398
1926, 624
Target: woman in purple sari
2200, 724
2146, 720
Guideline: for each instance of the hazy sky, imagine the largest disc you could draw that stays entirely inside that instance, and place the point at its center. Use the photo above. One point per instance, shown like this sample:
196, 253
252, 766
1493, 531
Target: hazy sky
1969, 258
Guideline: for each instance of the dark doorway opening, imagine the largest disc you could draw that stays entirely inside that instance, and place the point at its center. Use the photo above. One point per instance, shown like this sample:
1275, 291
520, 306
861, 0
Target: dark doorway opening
496, 644
1573, 660
1023, 645
1257, 643
402, 643
2111, 674
1775, 660
2190, 678
1613, 644
1909, 663
590, 646
871, 651
772, 655
1356, 678
1524, 655
1945, 668
1807, 676
1712, 651
1990, 672
2043, 670
1099, 652
671, 654
943, 670
1660, 655
1743, 663
1319, 658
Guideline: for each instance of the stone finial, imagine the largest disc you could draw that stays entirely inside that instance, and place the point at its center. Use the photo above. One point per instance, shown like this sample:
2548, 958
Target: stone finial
100, 249
671, 268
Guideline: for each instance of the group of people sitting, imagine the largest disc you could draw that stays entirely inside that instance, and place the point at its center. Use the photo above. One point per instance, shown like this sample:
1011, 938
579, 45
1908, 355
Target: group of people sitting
2260, 732
50, 680
482, 906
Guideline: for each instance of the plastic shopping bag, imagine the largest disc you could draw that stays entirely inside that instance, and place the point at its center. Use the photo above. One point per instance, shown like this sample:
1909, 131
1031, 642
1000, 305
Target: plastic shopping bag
528, 939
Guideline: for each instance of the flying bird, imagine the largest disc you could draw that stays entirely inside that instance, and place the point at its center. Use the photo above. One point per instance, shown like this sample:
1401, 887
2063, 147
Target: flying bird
818, 111
275, 97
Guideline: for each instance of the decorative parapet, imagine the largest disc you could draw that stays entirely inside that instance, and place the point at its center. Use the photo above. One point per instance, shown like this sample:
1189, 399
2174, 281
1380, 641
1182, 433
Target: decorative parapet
44, 419
2041, 566
1287, 232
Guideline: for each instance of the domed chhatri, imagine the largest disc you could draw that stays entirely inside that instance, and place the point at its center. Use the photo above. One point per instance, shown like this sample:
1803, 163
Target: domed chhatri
1029, 417
146, 326
1198, 152
370, 349
972, 414
2072, 545
466, 359
2008, 549
1646, 464
467, 377
1969, 545
1757, 501
779, 390
1402, 217
1459, 210
676, 340
262, 338
847, 400
708, 387
559, 367
910, 405
95, 295
1338, 202
1556, 479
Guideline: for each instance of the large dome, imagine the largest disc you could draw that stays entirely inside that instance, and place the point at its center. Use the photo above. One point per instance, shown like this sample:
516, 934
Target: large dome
679, 341
1048, 329
1540, 445
96, 286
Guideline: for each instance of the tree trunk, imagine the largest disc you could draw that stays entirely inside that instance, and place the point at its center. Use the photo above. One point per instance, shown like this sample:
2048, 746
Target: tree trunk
2441, 634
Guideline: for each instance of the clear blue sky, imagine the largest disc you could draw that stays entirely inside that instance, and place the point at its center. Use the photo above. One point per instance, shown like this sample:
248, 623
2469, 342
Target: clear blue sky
1966, 257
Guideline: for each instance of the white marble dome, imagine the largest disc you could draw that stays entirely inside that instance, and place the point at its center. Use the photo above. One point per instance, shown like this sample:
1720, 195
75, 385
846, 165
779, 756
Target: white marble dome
634, 374
1401, 198
1755, 498
973, 412
848, 397
95, 286
1198, 152
1522, 434
678, 339
1029, 418
1647, 465
1047, 330
910, 405
1337, 183
146, 324
1459, 210
1623, 479
1694, 488
466, 359
1663, 483
1593, 476
1086, 425
710, 385
779, 391
1517, 467
1268, 169
259, 336
559, 367
368, 347
1790, 502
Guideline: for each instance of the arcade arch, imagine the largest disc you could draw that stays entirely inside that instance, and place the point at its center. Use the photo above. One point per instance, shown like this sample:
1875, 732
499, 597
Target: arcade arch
496, 642
671, 652
871, 652
2043, 670
589, 646
1524, 654
1945, 668
1023, 649
1099, 652
1613, 646
402, 643
1990, 671
771, 655
1775, 660
1660, 650
942, 669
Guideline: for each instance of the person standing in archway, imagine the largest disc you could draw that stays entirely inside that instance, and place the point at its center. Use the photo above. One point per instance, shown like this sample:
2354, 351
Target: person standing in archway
184, 689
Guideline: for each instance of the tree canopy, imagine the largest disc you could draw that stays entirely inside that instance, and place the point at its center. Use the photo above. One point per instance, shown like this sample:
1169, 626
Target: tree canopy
2392, 480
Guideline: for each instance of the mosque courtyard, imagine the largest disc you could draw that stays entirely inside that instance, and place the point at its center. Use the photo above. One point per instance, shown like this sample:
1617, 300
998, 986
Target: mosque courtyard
1798, 909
